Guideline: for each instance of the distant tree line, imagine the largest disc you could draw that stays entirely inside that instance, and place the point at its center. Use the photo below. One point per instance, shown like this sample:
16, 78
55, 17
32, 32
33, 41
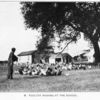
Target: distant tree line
4, 62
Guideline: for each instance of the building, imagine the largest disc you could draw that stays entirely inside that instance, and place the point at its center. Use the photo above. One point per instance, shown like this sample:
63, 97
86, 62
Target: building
26, 57
44, 57
60, 58
86, 56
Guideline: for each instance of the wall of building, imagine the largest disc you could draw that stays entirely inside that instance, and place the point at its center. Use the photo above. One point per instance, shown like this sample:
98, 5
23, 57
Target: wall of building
53, 58
25, 59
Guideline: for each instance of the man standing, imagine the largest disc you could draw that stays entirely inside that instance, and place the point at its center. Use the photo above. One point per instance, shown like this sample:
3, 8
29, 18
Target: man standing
11, 60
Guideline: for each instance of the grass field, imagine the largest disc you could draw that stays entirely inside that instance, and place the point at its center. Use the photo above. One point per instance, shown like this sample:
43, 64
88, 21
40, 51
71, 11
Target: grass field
76, 81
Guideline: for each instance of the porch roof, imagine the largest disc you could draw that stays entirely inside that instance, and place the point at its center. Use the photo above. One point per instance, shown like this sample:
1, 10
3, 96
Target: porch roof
25, 53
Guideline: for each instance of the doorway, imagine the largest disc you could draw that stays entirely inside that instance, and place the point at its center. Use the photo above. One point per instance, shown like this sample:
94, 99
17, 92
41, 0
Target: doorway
58, 60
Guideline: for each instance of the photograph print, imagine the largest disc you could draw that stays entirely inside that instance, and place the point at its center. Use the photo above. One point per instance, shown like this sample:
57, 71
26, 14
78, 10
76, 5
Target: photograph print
49, 46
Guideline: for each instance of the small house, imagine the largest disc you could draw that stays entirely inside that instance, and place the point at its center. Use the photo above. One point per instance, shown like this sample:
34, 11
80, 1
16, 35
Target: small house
26, 57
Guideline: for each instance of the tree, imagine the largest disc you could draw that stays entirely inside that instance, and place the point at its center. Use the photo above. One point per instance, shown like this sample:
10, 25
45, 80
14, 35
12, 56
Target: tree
86, 20
80, 16
48, 16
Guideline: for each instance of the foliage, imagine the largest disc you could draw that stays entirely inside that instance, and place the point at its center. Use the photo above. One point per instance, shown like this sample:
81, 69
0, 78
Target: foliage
54, 16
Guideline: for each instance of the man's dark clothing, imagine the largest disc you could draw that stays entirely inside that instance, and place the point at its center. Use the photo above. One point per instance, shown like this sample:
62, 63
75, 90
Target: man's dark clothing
11, 60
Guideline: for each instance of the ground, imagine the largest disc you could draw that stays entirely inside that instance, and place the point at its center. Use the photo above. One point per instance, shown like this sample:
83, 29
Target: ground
74, 81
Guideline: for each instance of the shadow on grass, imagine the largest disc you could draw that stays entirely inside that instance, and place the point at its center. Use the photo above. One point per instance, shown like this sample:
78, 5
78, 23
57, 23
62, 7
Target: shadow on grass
36, 76
18, 78
31, 77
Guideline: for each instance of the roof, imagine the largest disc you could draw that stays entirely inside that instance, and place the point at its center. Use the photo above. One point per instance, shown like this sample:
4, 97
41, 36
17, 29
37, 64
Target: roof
26, 53
64, 54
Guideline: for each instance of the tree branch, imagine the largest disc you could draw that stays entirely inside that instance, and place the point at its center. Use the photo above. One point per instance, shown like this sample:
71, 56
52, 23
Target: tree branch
65, 46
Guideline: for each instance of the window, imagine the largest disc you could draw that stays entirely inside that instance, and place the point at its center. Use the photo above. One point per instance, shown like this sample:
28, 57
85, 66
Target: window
58, 59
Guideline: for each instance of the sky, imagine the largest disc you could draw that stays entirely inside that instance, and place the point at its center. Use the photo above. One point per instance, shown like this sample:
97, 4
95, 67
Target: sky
14, 34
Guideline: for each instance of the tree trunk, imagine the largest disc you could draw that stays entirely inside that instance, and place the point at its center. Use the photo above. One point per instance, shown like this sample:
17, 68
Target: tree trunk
96, 51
